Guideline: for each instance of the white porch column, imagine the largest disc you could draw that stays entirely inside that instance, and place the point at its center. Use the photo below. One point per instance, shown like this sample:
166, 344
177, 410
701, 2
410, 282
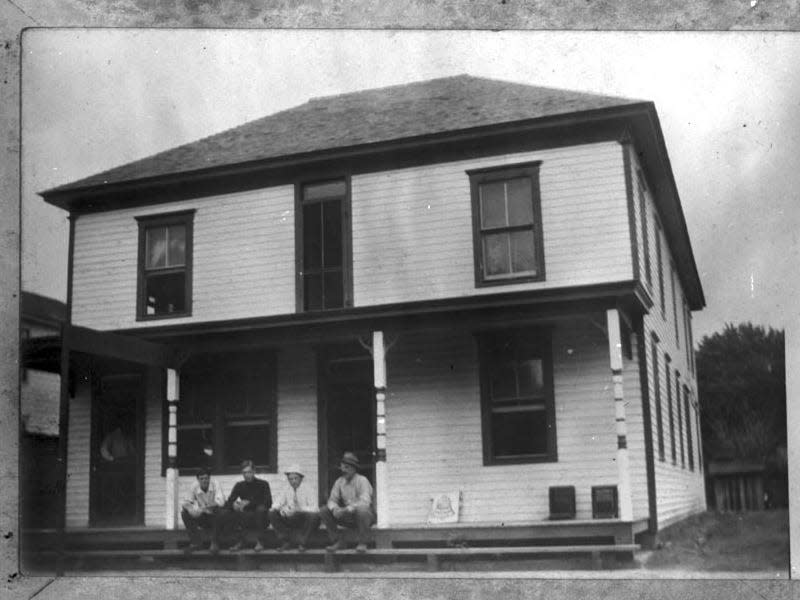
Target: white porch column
379, 376
623, 465
173, 392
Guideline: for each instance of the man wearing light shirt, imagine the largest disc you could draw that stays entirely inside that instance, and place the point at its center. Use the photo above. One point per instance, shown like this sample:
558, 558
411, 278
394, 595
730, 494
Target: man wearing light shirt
349, 505
294, 512
201, 508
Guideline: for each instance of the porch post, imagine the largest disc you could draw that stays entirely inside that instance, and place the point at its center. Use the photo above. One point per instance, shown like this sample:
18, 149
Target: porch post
379, 375
623, 466
173, 391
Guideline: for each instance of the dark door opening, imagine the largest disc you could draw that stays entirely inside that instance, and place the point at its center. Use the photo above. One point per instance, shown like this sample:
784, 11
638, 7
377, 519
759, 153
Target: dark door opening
347, 413
117, 457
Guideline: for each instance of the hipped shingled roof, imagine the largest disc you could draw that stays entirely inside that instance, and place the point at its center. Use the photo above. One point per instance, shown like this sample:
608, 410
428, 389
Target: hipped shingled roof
364, 117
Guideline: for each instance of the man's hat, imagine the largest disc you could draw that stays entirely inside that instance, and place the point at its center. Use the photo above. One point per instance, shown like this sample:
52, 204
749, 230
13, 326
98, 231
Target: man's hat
294, 469
351, 459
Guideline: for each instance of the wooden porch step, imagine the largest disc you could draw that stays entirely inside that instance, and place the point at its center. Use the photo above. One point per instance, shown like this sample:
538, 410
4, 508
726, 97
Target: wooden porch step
332, 560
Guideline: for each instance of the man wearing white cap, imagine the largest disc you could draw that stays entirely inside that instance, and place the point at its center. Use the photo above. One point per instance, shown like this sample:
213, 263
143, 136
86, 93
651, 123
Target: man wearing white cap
294, 512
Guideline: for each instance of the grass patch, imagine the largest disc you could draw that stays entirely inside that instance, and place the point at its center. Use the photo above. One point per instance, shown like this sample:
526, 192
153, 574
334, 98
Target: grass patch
751, 541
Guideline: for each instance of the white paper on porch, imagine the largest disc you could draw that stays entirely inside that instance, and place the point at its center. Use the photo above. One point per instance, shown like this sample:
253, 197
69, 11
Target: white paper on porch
444, 508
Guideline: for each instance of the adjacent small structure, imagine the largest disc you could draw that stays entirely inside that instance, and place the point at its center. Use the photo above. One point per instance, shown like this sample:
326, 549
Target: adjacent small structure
737, 485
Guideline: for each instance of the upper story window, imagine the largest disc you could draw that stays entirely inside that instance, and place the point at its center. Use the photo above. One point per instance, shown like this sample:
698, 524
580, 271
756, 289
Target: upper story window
323, 247
645, 233
660, 267
507, 224
518, 415
165, 265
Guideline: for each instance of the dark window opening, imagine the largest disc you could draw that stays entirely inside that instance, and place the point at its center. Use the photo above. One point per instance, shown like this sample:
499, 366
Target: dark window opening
517, 397
226, 412
324, 229
657, 398
689, 440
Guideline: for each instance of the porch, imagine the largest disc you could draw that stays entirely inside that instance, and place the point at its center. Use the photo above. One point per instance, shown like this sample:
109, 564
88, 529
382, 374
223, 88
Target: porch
599, 541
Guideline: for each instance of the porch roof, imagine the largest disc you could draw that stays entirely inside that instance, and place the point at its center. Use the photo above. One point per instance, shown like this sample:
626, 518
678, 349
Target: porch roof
488, 311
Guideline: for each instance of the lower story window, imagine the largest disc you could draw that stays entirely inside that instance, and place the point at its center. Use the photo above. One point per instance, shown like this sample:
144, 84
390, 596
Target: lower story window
517, 402
226, 412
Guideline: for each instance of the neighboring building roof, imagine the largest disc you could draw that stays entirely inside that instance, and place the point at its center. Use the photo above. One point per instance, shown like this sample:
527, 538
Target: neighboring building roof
364, 117
734, 467
42, 310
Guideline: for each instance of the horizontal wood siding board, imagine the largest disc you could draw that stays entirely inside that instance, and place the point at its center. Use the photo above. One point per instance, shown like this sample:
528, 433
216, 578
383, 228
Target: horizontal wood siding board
680, 492
433, 409
244, 242
423, 221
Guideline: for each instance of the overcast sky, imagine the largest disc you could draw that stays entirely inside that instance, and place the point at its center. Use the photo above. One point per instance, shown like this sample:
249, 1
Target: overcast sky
729, 106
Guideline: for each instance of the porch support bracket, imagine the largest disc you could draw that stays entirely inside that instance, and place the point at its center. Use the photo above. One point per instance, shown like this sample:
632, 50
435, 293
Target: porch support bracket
623, 462
173, 392
379, 375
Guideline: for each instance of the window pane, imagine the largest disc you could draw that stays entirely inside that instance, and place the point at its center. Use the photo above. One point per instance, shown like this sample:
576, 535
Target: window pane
523, 253
247, 442
156, 247
520, 203
334, 289
519, 433
332, 246
312, 292
493, 205
312, 236
496, 254
503, 384
177, 246
165, 294
531, 377
190, 447
329, 189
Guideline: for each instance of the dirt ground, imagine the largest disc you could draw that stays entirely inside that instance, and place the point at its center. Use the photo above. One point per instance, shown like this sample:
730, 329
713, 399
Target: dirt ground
750, 541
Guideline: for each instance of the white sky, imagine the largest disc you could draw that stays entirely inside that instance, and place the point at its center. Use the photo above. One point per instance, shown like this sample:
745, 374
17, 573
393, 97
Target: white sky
729, 106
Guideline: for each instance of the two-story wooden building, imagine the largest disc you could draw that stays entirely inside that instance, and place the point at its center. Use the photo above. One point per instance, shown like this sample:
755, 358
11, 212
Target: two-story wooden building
477, 286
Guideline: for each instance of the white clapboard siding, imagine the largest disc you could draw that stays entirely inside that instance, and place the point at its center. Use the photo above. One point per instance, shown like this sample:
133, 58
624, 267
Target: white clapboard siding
297, 435
243, 259
680, 491
412, 228
412, 240
78, 455
434, 430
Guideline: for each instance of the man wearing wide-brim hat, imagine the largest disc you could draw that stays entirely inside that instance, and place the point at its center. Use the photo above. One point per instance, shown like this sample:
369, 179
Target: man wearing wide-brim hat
349, 505
295, 513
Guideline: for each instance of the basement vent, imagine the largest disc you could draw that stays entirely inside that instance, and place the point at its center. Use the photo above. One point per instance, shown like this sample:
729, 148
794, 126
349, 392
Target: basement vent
604, 502
562, 502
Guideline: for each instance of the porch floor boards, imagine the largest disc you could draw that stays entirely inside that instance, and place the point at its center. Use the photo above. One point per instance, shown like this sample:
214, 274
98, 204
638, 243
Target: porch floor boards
135, 547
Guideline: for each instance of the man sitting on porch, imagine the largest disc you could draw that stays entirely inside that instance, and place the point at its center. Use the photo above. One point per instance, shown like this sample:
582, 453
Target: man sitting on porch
349, 505
294, 512
248, 507
202, 508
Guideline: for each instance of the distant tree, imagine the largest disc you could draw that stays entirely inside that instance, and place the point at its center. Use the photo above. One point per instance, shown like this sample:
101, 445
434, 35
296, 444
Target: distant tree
742, 390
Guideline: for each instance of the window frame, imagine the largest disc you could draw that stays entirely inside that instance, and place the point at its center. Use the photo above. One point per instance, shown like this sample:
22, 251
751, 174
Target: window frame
670, 409
145, 222
674, 285
679, 414
347, 240
542, 340
220, 421
657, 398
644, 222
477, 177
660, 267
687, 406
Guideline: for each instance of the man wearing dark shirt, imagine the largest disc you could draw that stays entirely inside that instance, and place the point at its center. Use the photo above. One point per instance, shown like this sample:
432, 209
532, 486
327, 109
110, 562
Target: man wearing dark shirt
248, 507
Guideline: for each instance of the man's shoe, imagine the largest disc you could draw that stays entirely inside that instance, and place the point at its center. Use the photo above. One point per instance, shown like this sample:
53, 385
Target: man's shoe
285, 546
236, 547
214, 548
337, 545
361, 548
258, 547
